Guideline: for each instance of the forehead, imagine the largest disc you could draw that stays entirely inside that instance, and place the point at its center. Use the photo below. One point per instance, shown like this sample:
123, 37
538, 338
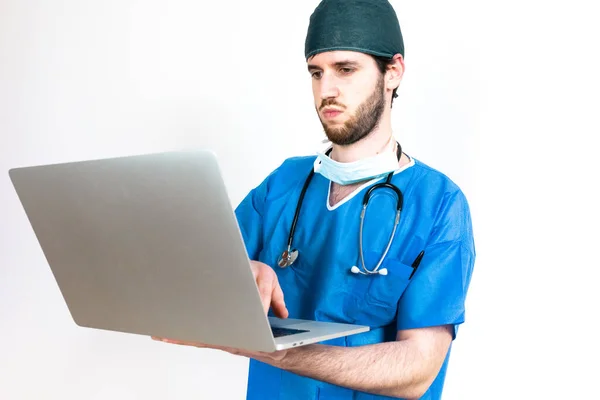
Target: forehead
331, 59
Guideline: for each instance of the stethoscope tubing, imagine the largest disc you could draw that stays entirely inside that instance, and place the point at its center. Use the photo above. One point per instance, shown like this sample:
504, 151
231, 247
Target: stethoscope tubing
288, 257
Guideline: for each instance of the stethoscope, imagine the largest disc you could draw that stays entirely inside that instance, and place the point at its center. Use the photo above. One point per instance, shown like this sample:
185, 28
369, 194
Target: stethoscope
289, 256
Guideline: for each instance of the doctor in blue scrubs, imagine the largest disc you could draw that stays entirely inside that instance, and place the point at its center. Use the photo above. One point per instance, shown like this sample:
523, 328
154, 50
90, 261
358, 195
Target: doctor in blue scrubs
414, 298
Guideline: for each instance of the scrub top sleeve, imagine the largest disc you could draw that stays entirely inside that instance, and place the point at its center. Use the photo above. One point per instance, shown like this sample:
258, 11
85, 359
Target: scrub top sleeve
437, 292
249, 214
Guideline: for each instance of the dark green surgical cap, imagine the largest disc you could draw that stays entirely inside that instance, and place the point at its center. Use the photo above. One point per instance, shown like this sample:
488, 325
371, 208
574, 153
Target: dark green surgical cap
366, 26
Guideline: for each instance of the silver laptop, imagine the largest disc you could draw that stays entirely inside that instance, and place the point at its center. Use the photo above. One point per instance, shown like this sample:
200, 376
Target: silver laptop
149, 244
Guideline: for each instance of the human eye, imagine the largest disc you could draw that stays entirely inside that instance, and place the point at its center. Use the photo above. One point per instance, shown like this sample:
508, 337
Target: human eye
316, 74
346, 70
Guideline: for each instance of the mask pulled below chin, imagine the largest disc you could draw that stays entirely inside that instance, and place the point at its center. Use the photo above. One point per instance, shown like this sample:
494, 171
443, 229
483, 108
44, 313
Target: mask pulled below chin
356, 171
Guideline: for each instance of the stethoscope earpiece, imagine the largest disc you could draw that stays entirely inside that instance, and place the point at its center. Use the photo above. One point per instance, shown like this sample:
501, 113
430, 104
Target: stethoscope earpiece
356, 270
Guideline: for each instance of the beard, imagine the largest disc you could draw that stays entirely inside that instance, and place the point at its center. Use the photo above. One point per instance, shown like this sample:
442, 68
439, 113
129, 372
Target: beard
362, 123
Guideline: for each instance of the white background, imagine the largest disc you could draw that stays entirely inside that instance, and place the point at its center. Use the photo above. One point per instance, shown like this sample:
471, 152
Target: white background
503, 98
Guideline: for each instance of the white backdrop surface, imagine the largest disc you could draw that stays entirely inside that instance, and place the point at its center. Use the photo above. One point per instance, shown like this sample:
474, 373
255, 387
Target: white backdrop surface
502, 98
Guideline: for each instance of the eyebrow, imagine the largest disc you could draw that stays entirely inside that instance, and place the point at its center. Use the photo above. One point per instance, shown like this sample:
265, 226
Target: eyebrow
339, 64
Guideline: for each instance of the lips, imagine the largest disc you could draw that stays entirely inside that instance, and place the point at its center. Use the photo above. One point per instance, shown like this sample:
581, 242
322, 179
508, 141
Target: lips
330, 112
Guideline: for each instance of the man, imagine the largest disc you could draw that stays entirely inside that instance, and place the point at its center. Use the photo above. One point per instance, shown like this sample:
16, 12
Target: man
355, 56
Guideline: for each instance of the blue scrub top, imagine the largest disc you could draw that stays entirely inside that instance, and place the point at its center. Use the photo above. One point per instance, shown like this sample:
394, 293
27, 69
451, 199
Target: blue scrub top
320, 286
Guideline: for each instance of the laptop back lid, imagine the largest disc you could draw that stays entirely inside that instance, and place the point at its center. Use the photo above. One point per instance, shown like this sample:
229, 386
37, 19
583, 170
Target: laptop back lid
147, 244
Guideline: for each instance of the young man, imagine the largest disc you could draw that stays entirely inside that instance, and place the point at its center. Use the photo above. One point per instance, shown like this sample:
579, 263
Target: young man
355, 56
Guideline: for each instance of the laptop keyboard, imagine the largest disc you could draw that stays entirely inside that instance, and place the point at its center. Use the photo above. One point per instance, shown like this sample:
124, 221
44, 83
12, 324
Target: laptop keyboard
279, 332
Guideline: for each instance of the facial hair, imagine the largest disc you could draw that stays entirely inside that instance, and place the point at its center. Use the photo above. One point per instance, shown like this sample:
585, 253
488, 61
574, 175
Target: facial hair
362, 123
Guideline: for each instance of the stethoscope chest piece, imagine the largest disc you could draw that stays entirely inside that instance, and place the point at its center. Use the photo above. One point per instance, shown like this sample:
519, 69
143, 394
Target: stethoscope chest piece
287, 258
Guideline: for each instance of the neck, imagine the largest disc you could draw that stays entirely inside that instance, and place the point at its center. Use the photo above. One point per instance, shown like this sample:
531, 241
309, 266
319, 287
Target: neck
374, 143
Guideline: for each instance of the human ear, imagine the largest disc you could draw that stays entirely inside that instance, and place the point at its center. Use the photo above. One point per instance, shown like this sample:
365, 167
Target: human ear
395, 72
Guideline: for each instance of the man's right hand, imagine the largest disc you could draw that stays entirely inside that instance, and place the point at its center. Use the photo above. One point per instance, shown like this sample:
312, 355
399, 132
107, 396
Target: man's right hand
271, 294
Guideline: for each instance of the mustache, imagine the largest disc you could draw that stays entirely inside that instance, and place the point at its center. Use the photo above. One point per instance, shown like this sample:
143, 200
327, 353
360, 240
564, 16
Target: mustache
330, 102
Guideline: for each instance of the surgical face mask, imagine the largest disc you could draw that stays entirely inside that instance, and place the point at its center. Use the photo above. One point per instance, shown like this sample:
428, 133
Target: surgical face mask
356, 171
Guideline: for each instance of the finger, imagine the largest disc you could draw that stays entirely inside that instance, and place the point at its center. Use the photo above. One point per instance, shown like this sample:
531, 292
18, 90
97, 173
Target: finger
254, 268
265, 288
278, 301
231, 350
165, 340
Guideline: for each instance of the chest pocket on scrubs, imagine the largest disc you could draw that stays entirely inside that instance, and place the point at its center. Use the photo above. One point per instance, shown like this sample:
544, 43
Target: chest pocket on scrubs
373, 299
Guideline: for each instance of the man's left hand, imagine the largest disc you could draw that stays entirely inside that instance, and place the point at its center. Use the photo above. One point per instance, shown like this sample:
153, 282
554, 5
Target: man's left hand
265, 357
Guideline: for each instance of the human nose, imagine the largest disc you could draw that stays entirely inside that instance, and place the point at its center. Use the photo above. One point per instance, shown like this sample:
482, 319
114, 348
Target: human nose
329, 87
